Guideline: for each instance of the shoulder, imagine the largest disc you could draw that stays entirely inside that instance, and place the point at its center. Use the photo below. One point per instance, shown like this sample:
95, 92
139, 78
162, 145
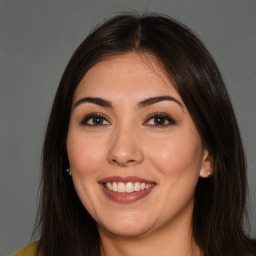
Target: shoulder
30, 250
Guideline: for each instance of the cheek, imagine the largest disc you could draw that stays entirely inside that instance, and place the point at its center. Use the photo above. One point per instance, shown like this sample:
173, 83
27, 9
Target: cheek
177, 155
84, 154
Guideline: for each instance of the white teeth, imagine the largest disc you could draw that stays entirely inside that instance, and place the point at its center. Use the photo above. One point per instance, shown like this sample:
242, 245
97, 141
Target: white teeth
120, 187
109, 186
137, 186
128, 187
115, 187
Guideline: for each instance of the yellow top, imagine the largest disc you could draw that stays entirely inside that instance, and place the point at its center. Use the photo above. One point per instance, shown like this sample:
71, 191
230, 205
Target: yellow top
30, 250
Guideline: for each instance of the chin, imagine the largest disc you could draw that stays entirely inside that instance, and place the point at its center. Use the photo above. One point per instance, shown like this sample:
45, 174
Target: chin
125, 231
126, 226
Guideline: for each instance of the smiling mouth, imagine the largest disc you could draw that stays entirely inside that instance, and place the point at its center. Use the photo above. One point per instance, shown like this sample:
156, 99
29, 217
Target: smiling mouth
128, 187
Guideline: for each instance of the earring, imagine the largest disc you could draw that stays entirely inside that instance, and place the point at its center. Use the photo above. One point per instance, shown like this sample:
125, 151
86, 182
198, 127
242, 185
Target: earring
69, 171
209, 174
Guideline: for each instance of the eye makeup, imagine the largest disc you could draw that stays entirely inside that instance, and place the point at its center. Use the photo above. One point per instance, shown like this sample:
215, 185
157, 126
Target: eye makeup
94, 119
158, 120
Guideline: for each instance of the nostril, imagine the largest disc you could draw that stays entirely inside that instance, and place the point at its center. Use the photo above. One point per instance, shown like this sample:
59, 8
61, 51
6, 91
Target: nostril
122, 161
123, 155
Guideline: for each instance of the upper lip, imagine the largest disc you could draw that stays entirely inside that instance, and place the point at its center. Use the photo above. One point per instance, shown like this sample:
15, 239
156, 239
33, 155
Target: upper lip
126, 179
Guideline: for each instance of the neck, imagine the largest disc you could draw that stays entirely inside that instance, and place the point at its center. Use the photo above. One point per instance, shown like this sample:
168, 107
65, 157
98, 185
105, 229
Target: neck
177, 240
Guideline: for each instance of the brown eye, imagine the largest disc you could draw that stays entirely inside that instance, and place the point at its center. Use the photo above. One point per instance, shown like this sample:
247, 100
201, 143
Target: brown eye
97, 121
94, 120
160, 120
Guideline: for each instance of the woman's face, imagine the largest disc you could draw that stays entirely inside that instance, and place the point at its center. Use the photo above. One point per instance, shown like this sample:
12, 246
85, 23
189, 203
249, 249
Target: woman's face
134, 151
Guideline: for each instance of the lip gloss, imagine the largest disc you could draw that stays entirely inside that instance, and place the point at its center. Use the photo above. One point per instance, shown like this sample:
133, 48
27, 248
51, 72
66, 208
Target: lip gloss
126, 197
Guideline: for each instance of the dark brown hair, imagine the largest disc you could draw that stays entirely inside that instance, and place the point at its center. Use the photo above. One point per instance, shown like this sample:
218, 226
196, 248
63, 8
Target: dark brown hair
65, 225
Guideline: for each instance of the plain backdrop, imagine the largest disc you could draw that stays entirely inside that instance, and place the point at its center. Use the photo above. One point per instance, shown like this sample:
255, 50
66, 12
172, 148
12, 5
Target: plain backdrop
37, 39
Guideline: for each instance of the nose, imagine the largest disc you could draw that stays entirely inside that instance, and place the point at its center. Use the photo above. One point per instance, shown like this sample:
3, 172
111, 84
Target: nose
125, 148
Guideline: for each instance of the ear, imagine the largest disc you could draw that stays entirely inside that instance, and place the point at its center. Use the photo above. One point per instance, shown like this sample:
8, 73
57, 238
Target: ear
206, 165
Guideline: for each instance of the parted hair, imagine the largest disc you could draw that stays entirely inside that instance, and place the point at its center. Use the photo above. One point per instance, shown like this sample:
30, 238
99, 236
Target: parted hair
64, 225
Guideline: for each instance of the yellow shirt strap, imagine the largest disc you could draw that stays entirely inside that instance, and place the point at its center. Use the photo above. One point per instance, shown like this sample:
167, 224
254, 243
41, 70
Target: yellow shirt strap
30, 250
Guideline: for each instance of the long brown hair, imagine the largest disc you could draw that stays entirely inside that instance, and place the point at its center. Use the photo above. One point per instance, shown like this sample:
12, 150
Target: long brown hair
65, 225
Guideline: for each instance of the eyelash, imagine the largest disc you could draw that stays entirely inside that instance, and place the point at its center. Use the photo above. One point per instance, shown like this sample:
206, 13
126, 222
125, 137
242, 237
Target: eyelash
89, 117
161, 116
164, 116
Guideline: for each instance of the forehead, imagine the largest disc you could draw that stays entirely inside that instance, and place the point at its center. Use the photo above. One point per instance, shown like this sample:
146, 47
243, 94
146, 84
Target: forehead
139, 75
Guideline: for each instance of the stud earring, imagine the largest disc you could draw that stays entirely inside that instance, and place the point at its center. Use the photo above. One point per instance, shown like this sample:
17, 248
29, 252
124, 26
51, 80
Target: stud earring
209, 174
69, 171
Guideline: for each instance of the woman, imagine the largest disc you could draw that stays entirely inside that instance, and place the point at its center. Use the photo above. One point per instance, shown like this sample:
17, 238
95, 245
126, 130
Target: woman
144, 127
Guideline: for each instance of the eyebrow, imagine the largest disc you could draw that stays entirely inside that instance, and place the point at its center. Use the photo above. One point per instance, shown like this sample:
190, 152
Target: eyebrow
108, 104
153, 100
98, 101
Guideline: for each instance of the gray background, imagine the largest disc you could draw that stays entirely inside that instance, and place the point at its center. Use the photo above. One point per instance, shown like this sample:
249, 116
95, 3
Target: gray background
37, 39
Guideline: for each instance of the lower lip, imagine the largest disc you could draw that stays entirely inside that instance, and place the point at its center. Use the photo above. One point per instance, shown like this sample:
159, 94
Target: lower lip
126, 197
